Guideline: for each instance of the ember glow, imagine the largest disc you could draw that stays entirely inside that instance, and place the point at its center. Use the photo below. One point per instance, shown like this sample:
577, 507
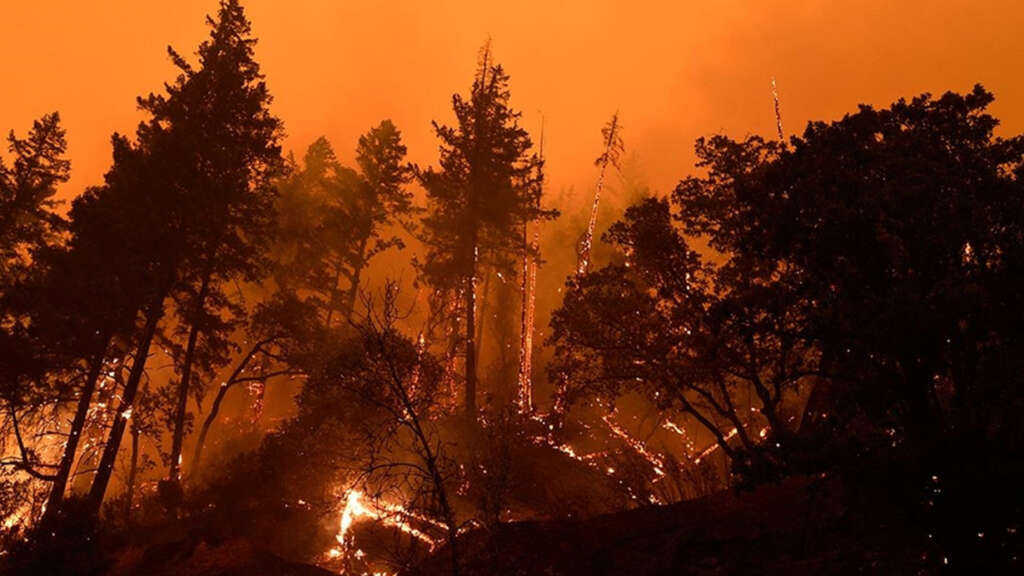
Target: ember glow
358, 508
529, 312
610, 155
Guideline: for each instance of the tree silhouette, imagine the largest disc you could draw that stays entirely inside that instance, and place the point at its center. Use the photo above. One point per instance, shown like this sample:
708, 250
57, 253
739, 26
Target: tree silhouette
335, 220
204, 163
479, 199
611, 134
874, 260
28, 220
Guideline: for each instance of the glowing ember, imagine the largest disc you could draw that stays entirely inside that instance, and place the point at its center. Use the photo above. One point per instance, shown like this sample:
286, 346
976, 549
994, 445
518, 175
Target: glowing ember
778, 110
528, 320
655, 460
257, 390
392, 515
612, 148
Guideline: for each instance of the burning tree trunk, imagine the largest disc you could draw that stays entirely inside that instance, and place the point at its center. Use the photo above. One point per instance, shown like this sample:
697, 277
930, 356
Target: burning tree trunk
450, 319
174, 473
778, 111
113, 445
132, 474
529, 297
60, 480
612, 150
470, 305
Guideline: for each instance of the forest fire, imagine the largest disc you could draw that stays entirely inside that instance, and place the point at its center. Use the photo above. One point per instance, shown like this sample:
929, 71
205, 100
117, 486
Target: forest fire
391, 515
444, 338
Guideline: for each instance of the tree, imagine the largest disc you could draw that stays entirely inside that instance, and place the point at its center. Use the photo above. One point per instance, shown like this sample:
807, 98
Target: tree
28, 220
337, 219
380, 201
314, 242
869, 267
898, 231
204, 161
611, 134
664, 322
395, 384
479, 199
29, 227
73, 306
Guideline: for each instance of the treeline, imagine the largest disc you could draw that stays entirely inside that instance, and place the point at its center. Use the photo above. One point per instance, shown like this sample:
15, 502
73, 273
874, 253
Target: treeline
845, 304
205, 242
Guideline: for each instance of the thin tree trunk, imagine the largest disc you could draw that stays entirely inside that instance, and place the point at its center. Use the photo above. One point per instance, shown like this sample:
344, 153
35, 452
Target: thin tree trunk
357, 271
131, 388
484, 292
60, 482
132, 473
215, 407
470, 296
528, 287
174, 473
583, 266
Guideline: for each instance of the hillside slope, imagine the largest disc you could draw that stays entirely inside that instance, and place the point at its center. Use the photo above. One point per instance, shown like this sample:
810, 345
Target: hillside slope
797, 527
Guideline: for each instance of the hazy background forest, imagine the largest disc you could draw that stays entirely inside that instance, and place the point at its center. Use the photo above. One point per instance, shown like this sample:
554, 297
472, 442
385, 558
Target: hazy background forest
459, 288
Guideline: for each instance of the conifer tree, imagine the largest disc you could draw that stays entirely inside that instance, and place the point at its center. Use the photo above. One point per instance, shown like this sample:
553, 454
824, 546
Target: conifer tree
335, 220
204, 164
480, 197
28, 220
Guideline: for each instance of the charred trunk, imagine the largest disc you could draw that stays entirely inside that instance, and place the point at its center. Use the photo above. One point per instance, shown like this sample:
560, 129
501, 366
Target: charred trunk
106, 467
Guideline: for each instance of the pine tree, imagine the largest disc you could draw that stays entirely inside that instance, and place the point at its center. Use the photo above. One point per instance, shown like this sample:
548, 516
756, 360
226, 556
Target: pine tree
480, 198
380, 201
28, 220
335, 220
208, 156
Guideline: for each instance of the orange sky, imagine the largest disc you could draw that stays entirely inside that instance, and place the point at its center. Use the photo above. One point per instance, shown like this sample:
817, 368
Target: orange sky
675, 70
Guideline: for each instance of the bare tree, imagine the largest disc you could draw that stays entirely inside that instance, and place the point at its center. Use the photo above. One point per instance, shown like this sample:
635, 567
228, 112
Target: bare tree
397, 388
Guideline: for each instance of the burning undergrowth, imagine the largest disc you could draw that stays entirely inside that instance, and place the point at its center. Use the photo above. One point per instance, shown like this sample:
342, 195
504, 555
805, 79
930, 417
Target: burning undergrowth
377, 470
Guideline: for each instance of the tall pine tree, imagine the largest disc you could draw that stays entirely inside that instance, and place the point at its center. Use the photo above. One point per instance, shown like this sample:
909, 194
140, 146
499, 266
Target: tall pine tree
480, 197
208, 156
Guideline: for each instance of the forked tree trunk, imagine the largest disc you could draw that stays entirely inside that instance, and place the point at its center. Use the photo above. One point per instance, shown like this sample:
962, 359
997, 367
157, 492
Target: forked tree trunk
222, 391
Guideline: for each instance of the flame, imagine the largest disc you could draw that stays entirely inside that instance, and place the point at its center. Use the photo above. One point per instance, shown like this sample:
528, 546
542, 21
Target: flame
613, 145
529, 316
710, 449
655, 460
257, 390
778, 110
393, 515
